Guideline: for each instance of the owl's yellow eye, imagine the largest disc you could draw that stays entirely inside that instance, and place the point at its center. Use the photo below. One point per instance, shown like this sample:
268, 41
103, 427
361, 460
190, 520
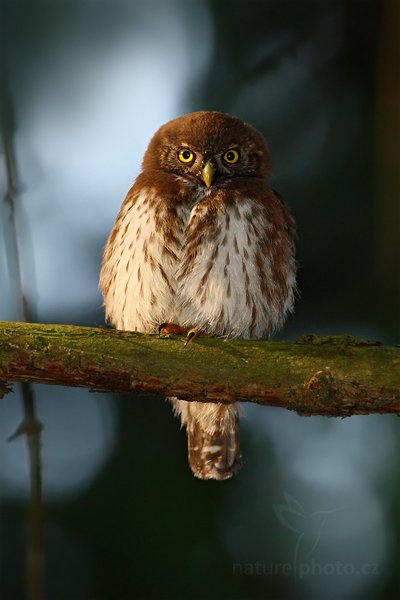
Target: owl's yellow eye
231, 156
186, 156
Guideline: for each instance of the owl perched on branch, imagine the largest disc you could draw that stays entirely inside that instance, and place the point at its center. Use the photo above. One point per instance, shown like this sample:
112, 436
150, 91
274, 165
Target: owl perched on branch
202, 244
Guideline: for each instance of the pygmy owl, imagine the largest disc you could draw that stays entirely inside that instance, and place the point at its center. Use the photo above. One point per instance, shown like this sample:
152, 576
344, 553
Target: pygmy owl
202, 242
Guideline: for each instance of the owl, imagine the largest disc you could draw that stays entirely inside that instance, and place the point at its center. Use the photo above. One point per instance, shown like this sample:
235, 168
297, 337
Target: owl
203, 244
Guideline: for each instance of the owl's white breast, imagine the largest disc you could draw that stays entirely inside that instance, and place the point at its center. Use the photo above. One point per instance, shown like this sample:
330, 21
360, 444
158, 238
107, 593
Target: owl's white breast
221, 293
211, 273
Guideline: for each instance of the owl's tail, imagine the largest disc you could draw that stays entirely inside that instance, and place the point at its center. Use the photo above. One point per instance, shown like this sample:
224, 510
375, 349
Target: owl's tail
213, 438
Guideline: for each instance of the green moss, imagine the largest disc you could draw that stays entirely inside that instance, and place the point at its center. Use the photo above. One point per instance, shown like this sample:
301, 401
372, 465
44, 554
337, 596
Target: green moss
206, 361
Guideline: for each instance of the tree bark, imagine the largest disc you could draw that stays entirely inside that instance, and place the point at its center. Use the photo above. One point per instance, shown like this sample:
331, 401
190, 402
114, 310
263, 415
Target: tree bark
329, 375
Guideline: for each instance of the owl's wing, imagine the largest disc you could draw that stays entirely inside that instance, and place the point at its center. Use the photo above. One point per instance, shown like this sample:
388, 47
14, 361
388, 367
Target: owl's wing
287, 215
140, 258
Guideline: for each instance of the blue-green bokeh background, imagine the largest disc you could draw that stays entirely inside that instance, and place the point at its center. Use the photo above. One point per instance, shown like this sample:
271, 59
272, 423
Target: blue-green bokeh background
315, 513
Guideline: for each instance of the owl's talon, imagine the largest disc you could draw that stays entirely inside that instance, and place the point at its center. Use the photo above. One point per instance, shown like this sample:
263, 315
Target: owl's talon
161, 327
192, 334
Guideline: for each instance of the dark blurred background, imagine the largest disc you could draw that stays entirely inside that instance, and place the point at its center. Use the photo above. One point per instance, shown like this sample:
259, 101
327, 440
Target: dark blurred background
315, 512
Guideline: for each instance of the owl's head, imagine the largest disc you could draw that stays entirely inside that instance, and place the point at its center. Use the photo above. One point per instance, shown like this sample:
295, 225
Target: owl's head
208, 148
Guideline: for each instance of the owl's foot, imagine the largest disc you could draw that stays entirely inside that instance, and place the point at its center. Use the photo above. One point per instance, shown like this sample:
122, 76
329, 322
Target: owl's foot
170, 328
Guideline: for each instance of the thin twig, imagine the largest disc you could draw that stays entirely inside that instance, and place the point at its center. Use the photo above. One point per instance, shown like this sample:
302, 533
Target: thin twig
30, 425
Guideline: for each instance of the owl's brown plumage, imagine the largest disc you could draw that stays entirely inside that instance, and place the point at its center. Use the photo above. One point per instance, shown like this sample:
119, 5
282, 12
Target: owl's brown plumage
203, 241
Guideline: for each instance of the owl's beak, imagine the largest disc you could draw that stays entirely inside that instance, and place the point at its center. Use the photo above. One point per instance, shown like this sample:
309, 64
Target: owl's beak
208, 172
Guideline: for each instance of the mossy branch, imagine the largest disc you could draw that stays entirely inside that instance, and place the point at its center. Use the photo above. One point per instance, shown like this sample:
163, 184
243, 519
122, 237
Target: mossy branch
334, 375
